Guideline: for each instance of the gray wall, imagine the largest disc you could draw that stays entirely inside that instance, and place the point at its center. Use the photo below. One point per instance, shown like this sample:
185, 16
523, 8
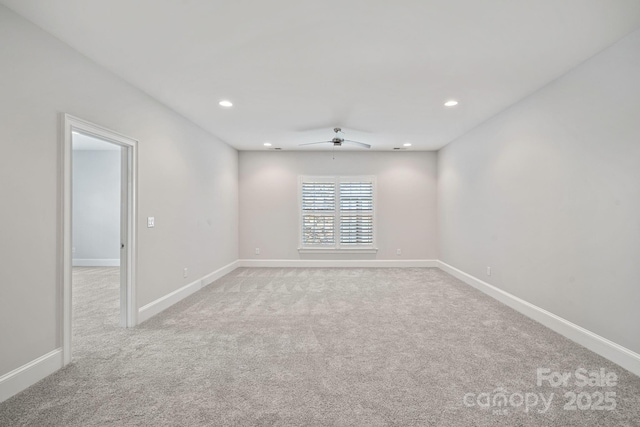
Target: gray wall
548, 194
187, 179
405, 194
96, 207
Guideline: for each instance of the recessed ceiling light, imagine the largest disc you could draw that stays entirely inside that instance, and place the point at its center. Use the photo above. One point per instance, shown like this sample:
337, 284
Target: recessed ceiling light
407, 144
225, 103
267, 144
451, 103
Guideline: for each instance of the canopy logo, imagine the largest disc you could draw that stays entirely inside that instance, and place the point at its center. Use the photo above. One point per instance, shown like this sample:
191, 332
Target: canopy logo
499, 401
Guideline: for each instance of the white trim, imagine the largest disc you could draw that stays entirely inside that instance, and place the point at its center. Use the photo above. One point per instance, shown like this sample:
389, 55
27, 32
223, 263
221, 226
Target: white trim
337, 251
310, 263
128, 295
212, 277
96, 262
27, 375
616, 353
155, 307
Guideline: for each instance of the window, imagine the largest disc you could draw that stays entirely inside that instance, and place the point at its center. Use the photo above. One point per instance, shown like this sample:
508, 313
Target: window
337, 213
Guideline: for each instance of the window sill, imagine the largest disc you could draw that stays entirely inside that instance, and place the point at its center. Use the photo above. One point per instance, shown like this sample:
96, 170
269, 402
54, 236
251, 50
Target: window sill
337, 251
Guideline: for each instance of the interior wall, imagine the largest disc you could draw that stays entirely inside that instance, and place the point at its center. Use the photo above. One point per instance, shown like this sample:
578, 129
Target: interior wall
547, 194
405, 201
187, 180
96, 207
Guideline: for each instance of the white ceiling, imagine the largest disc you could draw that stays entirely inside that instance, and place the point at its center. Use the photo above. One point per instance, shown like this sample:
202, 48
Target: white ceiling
295, 69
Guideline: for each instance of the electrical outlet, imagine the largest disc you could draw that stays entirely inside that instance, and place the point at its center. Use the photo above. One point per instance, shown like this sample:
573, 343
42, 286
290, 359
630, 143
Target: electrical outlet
398, 252
185, 272
257, 251
488, 271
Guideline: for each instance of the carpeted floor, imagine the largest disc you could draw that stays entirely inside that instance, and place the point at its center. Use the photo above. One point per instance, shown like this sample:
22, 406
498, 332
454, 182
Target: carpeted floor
327, 347
96, 307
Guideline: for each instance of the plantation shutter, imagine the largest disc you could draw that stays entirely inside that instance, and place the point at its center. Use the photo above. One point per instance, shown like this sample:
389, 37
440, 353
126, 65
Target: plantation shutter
318, 213
356, 213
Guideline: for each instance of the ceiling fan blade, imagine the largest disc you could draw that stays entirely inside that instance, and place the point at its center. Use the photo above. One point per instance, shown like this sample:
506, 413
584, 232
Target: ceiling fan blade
312, 143
362, 144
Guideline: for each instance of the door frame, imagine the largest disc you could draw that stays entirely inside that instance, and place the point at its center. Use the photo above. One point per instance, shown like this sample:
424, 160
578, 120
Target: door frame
128, 207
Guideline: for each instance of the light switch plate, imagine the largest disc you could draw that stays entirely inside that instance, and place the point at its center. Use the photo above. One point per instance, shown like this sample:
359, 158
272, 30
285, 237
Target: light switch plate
151, 222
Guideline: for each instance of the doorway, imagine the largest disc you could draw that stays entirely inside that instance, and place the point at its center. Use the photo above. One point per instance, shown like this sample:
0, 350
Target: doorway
98, 244
96, 240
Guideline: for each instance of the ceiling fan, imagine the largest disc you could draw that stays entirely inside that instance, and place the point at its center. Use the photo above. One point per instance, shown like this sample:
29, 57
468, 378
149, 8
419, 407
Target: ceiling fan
337, 141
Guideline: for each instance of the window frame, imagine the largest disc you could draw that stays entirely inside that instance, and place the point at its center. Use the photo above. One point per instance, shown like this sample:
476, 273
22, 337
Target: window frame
336, 247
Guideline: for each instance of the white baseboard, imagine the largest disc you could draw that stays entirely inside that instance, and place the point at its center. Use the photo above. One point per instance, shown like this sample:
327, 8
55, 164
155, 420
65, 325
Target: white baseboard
154, 307
309, 263
616, 353
212, 277
96, 262
162, 303
27, 375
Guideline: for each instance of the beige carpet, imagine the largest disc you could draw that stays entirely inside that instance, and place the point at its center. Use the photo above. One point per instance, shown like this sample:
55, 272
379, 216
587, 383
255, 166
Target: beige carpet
325, 347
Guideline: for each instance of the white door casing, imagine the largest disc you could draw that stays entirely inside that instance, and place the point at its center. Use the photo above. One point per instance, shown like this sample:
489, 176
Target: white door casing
128, 310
